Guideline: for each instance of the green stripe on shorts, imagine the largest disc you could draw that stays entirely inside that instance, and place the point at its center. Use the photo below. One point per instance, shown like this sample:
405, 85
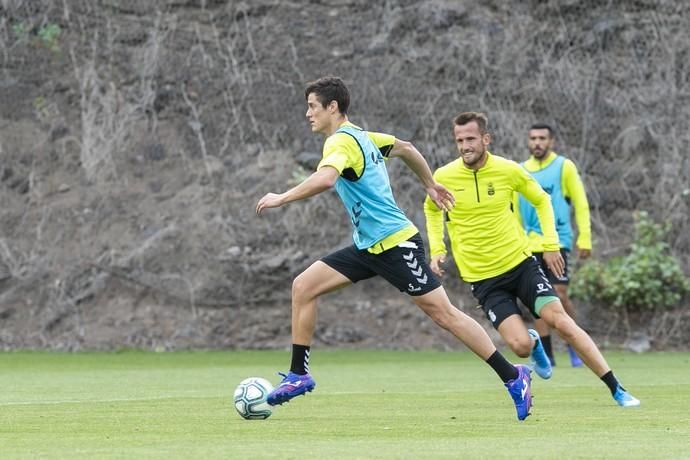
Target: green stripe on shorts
543, 300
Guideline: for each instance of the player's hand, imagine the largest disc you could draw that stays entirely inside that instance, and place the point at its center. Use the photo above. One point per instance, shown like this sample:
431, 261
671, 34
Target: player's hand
436, 262
269, 200
584, 253
440, 195
554, 260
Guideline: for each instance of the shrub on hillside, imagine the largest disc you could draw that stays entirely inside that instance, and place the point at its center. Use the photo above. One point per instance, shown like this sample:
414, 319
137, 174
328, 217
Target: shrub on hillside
647, 278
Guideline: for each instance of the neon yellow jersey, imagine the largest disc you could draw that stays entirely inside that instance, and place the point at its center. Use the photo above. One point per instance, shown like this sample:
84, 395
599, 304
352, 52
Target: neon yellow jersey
342, 152
574, 190
486, 238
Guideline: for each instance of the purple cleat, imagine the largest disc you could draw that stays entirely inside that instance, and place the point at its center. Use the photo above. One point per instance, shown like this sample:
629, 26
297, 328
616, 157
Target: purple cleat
520, 390
292, 385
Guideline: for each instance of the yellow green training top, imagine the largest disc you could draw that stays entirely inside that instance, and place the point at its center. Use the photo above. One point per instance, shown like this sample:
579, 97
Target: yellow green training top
486, 238
574, 191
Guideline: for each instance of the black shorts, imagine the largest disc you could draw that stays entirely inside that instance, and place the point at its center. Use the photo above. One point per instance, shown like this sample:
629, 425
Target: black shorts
565, 279
498, 295
404, 266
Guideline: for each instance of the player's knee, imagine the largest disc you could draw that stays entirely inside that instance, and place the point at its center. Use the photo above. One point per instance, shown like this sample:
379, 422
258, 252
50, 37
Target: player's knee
446, 319
439, 316
442, 315
301, 289
521, 346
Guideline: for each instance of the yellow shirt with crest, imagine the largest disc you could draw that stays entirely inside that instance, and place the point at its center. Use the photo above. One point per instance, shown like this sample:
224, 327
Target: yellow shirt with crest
486, 239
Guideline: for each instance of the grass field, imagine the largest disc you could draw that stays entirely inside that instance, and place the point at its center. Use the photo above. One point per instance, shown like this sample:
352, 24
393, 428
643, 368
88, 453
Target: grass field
367, 405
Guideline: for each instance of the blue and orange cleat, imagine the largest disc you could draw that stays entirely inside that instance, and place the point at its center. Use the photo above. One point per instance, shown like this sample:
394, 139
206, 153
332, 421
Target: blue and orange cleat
540, 361
291, 386
521, 392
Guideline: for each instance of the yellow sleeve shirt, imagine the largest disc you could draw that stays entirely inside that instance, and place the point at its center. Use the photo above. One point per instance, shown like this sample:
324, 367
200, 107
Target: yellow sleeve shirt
486, 238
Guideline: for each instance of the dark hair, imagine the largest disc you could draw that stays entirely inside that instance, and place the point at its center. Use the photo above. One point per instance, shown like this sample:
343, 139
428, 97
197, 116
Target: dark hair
543, 126
329, 89
478, 117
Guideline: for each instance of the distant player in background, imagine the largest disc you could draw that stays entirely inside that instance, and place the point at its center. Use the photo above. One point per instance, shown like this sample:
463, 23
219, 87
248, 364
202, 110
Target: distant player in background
386, 243
492, 252
558, 176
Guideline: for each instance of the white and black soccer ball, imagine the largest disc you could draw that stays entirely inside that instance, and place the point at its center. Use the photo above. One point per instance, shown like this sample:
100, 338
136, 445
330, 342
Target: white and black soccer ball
250, 398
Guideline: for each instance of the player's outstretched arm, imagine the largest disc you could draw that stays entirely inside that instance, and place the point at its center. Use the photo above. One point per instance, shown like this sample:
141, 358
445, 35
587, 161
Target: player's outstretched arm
416, 162
321, 180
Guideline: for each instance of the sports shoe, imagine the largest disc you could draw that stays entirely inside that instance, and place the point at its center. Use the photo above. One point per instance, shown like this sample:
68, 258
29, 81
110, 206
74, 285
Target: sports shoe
540, 362
521, 392
292, 385
575, 360
625, 399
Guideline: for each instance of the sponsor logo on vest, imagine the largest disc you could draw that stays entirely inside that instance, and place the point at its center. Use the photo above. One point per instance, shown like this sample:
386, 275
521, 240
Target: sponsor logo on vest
356, 211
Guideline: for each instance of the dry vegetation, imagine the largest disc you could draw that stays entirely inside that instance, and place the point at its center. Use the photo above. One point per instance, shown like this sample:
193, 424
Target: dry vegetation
137, 136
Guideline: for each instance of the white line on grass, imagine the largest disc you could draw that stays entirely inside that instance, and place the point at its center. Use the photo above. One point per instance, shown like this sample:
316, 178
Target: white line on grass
111, 400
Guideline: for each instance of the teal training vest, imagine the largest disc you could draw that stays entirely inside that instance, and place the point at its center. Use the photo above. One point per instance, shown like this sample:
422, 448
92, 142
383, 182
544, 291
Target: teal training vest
550, 180
369, 199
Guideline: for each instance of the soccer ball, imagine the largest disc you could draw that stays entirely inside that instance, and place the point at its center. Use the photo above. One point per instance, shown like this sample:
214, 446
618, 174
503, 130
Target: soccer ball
250, 398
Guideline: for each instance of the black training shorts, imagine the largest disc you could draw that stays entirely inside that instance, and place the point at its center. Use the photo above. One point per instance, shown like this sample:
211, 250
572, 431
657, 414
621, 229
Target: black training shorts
498, 295
553, 279
404, 266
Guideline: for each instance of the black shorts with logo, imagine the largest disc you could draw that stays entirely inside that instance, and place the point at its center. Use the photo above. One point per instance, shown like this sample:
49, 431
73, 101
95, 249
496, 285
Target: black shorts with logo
404, 266
498, 295
565, 279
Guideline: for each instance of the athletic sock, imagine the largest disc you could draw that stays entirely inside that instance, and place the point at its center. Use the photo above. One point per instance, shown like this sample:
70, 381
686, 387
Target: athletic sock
300, 359
611, 381
505, 370
546, 342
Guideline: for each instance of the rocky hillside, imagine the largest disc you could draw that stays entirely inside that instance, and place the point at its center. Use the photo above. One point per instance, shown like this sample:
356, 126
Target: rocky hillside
136, 138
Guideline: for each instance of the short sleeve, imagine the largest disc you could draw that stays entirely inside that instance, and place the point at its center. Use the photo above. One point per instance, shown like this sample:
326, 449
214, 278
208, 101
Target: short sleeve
384, 142
341, 152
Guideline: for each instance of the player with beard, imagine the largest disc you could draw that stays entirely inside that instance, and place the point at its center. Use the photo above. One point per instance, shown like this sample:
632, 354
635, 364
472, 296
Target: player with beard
558, 176
492, 252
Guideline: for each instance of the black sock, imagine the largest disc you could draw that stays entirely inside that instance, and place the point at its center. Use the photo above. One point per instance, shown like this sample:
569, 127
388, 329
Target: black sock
300, 359
611, 381
546, 342
505, 370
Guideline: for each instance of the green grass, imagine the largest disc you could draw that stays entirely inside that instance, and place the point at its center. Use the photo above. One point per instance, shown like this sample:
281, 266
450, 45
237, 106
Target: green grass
368, 405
